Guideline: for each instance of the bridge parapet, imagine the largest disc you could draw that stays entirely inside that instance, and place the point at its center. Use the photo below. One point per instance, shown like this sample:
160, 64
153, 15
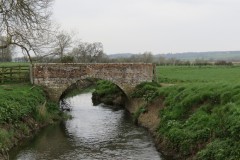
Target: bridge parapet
57, 77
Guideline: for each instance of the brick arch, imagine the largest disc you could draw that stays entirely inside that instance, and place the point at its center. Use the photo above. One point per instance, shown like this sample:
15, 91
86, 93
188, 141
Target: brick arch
57, 77
83, 84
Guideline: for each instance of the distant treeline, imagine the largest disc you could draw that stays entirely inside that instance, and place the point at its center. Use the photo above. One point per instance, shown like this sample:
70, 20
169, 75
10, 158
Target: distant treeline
197, 62
147, 57
92, 56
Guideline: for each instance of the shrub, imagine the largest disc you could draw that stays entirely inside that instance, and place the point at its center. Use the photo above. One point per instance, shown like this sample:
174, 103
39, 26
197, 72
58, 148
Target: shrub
106, 88
67, 59
220, 149
146, 90
222, 62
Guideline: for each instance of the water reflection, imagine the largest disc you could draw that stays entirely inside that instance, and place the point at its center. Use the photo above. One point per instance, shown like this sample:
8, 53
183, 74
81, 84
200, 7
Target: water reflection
94, 132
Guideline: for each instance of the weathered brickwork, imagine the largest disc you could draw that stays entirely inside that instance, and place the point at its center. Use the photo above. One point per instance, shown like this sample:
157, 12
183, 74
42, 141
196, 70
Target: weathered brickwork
57, 77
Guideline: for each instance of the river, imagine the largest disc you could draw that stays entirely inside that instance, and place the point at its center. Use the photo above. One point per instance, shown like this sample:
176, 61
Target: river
94, 133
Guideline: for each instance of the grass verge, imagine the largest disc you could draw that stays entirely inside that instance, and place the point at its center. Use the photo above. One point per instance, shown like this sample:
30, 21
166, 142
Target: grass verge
23, 110
199, 121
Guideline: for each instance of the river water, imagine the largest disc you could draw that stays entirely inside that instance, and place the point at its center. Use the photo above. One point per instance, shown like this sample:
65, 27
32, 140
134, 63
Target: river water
94, 133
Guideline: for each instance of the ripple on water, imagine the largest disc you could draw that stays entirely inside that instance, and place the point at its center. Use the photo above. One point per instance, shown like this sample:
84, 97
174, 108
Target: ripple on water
95, 132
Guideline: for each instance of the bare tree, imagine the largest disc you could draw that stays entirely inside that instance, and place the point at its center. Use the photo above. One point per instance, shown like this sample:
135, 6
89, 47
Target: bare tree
162, 60
95, 52
5, 53
147, 57
89, 52
25, 23
63, 42
80, 52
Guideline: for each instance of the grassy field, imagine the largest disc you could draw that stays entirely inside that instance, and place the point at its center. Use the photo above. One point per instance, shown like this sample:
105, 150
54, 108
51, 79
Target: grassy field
180, 74
9, 64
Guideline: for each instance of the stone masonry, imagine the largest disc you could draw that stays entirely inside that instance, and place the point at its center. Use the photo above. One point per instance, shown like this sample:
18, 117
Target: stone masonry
57, 77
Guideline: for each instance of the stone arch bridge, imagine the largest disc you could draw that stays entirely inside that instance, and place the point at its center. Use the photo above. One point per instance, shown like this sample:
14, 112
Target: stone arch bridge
58, 77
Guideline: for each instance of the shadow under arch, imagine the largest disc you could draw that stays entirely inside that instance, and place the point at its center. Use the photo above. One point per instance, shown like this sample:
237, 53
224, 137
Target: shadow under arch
82, 84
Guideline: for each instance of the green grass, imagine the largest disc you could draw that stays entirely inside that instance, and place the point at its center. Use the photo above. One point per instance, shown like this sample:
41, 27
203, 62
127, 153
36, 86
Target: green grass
199, 120
108, 93
146, 90
202, 119
190, 74
23, 108
105, 88
9, 64
17, 101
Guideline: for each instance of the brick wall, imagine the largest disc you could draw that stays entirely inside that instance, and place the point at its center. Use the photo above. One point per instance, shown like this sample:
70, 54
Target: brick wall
57, 77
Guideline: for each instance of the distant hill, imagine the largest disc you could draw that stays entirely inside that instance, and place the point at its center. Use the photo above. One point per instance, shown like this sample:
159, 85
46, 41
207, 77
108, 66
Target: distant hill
215, 55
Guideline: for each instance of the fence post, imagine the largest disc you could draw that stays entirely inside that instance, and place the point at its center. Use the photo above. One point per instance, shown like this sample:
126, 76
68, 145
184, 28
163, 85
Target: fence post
2, 74
15, 73
155, 78
31, 73
19, 72
11, 76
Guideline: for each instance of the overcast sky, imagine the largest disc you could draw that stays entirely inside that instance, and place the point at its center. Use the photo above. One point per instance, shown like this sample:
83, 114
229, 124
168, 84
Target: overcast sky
159, 26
